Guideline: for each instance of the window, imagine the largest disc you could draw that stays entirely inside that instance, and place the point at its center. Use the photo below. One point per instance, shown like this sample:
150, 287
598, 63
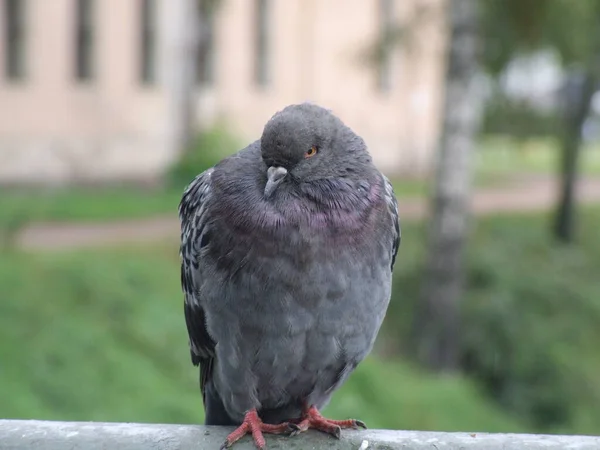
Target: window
386, 29
84, 40
14, 62
206, 52
148, 42
261, 42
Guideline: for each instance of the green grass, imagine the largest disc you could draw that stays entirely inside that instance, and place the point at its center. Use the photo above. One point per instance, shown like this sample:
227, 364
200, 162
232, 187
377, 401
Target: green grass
86, 204
101, 336
503, 155
396, 395
530, 317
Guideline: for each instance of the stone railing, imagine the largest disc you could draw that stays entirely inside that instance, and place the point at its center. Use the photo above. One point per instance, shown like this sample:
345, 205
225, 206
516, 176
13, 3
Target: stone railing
46, 435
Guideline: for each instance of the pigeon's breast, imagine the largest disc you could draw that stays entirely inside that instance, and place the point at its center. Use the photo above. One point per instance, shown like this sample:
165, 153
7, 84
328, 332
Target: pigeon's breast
295, 317
294, 297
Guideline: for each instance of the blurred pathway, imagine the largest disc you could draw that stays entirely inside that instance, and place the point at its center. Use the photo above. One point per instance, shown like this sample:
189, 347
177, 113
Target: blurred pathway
529, 195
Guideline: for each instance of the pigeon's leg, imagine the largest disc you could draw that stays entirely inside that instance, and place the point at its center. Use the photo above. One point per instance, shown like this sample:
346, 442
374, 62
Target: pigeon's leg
253, 425
312, 419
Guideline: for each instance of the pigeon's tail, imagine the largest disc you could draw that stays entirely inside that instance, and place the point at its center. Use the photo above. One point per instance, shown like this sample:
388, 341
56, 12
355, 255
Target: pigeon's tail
215, 413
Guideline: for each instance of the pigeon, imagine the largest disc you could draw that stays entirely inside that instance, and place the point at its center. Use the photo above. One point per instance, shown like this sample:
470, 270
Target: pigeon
287, 251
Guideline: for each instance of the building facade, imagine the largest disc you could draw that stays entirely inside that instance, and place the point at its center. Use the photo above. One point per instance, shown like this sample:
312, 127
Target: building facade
82, 94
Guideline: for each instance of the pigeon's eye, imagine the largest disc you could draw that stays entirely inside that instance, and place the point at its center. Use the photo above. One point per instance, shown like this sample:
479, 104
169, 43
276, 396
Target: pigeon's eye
311, 152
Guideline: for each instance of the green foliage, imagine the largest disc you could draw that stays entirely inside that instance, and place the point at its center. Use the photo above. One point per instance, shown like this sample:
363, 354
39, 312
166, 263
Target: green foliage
396, 395
509, 27
531, 328
512, 27
504, 116
208, 149
530, 319
572, 28
101, 336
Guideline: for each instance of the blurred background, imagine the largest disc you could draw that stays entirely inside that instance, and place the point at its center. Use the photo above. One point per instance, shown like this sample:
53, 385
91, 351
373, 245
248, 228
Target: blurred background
483, 113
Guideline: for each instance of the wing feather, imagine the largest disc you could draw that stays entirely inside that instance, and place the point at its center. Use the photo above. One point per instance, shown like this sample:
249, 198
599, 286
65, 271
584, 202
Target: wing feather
392, 203
193, 217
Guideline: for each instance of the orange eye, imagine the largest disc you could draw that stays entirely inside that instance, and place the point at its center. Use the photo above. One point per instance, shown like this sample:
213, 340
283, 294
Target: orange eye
311, 152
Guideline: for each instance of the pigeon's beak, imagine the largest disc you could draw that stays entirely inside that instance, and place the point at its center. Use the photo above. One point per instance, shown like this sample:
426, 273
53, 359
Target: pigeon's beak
275, 175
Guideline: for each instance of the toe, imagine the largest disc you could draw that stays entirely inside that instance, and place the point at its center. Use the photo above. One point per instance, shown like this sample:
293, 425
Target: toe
296, 429
336, 432
360, 424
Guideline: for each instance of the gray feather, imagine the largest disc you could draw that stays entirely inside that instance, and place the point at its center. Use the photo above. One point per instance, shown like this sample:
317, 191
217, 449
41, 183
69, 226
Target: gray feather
284, 296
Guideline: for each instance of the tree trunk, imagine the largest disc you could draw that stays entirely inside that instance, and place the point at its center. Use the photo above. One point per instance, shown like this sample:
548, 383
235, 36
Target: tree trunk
437, 320
182, 31
578, 100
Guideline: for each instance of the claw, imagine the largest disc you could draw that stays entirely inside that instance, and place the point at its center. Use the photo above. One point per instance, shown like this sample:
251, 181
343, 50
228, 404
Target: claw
253, 425
360, 424
294, 429
312, 418
337, 432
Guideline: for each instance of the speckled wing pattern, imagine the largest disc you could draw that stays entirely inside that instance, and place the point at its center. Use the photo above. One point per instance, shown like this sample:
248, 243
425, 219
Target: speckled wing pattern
193, 217
392, 204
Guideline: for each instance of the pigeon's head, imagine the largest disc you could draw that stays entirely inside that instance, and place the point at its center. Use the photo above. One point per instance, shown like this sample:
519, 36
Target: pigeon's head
305, 143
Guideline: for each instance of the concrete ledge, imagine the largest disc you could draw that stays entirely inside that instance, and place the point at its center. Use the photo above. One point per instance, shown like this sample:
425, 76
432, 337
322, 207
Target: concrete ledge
45, 435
